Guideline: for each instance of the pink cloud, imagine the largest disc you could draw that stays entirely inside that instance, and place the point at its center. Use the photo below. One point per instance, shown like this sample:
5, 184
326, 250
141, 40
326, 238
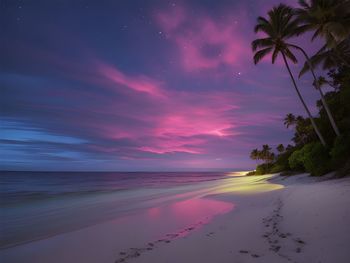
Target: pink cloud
93, 70
169, 148
181, 121
205, 43
139, 83
147, 114
165, 121
178, 120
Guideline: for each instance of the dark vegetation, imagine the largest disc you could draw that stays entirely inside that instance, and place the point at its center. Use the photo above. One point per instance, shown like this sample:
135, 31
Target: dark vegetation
322, 143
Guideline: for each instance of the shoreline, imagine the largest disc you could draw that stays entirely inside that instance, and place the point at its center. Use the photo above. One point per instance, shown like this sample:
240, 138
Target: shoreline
286, 224
86, 211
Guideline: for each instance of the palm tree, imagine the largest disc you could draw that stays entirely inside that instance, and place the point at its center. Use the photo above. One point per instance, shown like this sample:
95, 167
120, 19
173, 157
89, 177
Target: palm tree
271, 158
329, 57
280, 148
254, 155
321, 81
265, 152
280, 26
328, 19
300, 120
289, 120
303, 131
325, 105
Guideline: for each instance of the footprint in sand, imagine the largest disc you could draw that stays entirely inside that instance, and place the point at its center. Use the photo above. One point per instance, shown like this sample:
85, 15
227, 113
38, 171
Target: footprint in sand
254, 255
210, 234
136, 252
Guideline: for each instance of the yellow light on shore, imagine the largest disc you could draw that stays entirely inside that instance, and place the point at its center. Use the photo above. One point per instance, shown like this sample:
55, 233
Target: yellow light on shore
240, 173
251, 189
249, 184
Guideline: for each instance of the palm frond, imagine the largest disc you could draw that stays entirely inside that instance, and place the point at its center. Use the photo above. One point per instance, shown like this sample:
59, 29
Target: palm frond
290, 55
262, 25
261, 54
304, 69
328, 19
274, 55
302, 29
291, 29
328, 58
261, 43
304, 4
316, 34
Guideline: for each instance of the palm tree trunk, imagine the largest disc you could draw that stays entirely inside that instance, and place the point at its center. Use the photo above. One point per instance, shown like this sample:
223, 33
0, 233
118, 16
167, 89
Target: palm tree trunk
325, 105
303, 102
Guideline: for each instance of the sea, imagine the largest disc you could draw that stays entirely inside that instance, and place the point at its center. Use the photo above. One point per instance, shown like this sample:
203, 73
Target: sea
37, 205
23, 187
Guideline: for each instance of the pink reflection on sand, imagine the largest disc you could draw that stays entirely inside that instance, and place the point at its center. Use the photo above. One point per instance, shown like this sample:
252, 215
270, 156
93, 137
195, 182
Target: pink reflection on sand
189, 215
153, 212
200, 207
183, 216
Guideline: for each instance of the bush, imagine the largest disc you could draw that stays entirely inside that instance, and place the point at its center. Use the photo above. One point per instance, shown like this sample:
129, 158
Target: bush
262, 169
316, 159
340, 151
277, 168
344, 170
296, 160
251, 173
282, 163
313, 158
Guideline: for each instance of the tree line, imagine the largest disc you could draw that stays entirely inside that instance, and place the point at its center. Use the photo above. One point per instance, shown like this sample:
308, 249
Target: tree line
320, 143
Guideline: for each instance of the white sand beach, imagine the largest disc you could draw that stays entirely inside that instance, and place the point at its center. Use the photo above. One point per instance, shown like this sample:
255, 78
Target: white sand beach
239, 219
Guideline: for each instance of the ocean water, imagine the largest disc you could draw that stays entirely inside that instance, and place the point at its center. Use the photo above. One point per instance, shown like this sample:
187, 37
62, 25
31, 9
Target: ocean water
23, 187
38, 205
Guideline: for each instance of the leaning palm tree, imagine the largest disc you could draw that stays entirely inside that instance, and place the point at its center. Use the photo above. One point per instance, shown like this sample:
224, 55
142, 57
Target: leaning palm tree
279, 27
329, 19
329, 58
317, 86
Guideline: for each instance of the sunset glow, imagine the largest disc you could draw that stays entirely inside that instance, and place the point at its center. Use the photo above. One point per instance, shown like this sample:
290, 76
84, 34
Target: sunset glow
172, 88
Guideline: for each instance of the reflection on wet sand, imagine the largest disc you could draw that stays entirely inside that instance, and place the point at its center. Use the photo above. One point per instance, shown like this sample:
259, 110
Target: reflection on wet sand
190, 214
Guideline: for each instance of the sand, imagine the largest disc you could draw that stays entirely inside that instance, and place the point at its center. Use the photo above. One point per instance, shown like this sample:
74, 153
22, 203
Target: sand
296, 219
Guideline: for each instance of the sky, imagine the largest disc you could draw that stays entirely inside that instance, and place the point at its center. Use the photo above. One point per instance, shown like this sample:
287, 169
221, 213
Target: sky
139, 86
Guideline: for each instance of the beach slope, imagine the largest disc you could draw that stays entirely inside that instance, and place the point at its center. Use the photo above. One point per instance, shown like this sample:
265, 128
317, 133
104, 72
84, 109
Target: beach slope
307, 222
